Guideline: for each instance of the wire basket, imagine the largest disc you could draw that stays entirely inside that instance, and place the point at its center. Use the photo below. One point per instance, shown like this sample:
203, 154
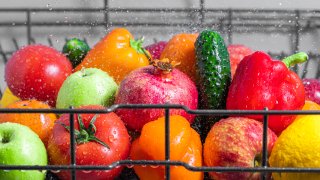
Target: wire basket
229, 22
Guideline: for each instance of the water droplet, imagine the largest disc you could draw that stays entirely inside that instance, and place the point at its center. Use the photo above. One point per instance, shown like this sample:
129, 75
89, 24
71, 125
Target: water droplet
154, 166
112, 138
143, 165
87, 171
55, 171
130, 166
49, 6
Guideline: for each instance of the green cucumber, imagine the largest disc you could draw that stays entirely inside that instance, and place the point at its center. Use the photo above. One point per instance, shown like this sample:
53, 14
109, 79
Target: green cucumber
213, 72
75, 50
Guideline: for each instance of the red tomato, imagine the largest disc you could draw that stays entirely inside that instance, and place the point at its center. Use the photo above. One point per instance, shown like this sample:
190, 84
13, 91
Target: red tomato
109, 129
37, 71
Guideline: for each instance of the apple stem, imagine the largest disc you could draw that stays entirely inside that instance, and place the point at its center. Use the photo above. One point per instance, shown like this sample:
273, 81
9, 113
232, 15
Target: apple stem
84, 135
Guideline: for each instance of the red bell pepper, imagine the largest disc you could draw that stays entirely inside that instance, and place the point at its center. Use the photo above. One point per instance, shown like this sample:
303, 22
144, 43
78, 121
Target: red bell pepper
261, 82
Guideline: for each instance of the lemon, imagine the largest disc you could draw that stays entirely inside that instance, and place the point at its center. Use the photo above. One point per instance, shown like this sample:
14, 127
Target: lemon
299, 146
7, 98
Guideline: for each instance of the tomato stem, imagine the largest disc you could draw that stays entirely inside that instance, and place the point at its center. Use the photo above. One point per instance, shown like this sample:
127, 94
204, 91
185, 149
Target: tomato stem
84, 135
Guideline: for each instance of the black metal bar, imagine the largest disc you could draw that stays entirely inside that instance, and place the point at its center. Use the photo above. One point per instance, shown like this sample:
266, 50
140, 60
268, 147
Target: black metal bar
32, 40
264, 162
28, 27
167, 142
50, 41
305, 69
202, 12
318, 69
297, 30
4, 55
163, 163
278, 11
72, 146
229, 32
106, 13
15, 43
163, 106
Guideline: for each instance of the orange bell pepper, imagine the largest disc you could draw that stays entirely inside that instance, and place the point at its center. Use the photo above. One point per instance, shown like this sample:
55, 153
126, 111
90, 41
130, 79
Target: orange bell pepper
117, 54
185, 146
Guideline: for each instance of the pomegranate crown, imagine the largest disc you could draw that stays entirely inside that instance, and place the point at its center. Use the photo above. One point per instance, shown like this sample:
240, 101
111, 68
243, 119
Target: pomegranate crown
165, 65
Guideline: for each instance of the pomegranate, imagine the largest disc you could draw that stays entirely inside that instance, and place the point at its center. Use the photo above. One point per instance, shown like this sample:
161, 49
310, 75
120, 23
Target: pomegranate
159, 83
156, 49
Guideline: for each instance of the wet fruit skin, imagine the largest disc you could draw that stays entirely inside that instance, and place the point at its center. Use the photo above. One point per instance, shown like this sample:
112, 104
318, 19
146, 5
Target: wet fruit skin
37, 72
180, 48
40, 123
185, 146
214, 75
115, 55
156, 49
19, 145
236, 53
109, 129
235, 142
75, 50
87, 87
312, 89
143, 86
298, 146
7, 98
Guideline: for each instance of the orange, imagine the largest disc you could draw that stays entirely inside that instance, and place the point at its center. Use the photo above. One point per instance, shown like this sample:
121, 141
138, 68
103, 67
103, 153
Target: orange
40, 123
180, 48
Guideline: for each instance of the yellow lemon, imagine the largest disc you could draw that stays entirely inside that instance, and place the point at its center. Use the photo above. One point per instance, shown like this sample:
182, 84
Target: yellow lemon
299, 146
7, 98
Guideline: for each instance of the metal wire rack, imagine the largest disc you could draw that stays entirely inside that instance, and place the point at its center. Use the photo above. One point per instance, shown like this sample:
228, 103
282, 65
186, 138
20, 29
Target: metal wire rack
227, 21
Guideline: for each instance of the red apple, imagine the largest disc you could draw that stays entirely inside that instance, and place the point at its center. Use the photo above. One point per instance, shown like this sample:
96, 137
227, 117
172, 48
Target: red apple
236, 53
236, 142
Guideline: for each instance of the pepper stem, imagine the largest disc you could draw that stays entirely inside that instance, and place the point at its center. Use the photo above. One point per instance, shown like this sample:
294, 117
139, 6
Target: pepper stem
295, 59
137, 45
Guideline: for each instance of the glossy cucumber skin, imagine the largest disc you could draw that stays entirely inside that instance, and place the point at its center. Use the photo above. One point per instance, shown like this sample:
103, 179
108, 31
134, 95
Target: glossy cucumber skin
75, 50
214, 76
213, 69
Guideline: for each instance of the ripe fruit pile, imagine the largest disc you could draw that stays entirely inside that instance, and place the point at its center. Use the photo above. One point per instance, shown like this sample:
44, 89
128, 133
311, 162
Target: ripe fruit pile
197, 71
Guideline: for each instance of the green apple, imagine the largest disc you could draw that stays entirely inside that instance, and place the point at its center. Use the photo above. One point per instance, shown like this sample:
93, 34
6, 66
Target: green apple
19, 145
89, 86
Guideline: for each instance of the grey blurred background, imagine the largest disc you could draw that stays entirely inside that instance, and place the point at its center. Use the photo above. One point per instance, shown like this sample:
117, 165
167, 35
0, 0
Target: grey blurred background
276, 39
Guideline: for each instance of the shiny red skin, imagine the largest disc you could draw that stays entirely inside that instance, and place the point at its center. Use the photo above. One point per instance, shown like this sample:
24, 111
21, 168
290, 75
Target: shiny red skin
144, 86
312, 88
37, 72
110, 129
156, 49
236, 53
261, 82
235, 142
